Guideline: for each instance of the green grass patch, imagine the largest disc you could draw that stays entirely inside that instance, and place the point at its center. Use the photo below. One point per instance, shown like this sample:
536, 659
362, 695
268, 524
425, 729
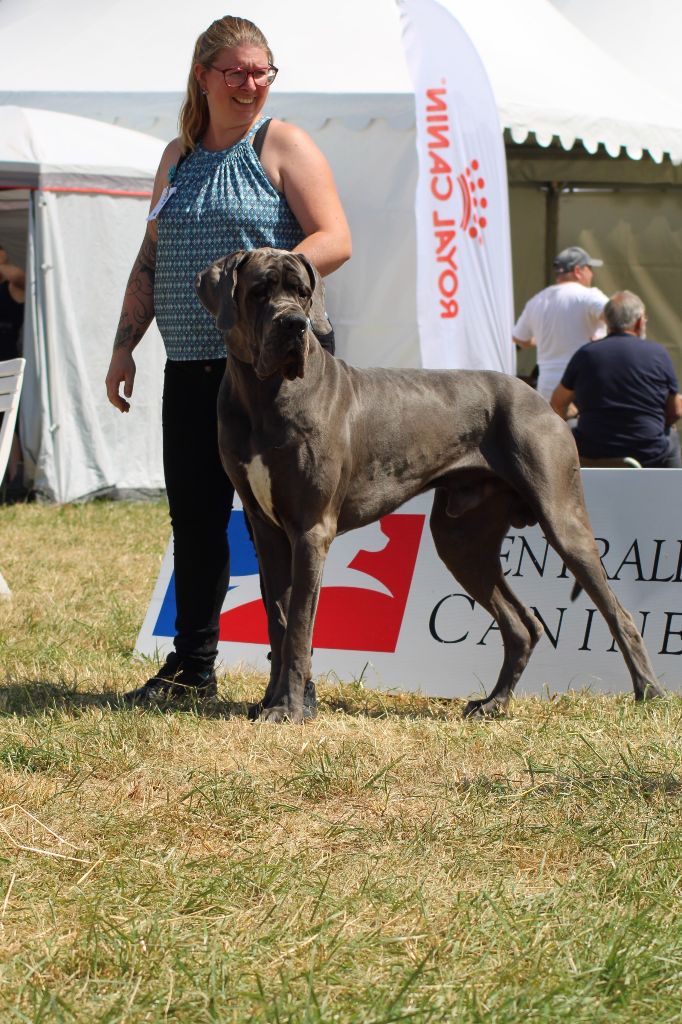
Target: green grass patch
385, 863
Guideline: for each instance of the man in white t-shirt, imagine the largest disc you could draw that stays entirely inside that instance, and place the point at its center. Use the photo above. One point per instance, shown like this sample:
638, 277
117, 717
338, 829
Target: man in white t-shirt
562, 318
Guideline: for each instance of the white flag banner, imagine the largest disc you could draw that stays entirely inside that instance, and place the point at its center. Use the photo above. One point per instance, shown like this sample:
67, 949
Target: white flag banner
464, 276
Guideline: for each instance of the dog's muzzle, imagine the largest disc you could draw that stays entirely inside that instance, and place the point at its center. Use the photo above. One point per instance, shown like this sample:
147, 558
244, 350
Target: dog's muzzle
286, 347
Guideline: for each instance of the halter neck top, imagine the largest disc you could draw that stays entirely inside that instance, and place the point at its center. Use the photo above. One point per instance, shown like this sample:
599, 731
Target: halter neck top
224, 202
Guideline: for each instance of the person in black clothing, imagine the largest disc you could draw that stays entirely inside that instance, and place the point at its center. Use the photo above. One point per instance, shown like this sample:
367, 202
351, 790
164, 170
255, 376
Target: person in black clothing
626, 391
12, 295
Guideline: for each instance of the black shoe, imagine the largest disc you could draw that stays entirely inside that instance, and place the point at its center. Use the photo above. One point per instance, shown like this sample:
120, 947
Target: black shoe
174, 685
309, 704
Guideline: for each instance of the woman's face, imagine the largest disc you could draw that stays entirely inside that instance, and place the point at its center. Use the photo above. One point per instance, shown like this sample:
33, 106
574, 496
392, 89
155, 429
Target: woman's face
240, 105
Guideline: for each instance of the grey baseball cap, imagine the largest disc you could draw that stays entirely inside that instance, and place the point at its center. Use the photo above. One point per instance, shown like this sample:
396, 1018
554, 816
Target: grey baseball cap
572, 257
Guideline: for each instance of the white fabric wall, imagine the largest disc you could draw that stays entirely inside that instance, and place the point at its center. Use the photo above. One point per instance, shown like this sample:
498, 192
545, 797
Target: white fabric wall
372, 299
82, 248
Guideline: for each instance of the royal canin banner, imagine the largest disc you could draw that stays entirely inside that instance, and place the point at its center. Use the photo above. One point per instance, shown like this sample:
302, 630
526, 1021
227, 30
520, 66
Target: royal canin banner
464, 275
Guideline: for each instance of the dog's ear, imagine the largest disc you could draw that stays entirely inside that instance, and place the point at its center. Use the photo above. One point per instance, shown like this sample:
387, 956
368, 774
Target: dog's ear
318, 313
216, 287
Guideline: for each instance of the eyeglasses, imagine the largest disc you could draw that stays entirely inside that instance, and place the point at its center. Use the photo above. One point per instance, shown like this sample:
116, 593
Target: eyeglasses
235, 78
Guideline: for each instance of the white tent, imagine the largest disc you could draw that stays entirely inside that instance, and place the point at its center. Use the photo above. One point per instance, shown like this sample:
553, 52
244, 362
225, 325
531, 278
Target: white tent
343, 77
645, 35
346, 61
83, 188
587, 135
129, 61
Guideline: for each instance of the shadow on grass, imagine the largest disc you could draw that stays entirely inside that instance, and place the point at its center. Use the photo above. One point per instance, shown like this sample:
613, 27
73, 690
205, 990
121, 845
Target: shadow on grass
38, 698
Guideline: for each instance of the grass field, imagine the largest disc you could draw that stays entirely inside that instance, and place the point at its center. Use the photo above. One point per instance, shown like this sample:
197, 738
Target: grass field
387, 862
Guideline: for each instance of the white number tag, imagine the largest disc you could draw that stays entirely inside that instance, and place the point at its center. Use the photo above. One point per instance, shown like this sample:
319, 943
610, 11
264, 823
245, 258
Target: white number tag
163, 199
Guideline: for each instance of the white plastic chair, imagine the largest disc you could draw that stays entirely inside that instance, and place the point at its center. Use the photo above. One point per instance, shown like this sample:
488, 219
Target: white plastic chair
11, 378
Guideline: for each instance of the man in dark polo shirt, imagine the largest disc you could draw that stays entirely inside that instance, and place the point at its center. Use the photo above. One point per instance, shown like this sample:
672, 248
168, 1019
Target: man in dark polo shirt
625, 389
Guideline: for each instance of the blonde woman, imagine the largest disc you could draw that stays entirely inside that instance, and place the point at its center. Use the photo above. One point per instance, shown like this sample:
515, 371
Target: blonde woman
233, 179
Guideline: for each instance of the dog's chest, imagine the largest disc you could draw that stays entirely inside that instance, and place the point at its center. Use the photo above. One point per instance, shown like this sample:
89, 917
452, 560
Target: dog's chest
260, 482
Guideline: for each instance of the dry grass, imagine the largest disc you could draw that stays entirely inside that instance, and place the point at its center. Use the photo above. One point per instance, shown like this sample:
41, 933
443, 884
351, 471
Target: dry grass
387, 862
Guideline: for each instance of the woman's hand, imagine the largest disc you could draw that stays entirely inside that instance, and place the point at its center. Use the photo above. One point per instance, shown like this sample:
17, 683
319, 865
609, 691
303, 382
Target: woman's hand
121, 371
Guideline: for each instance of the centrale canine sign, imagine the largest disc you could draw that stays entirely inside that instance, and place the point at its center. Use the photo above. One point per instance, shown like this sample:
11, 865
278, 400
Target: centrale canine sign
391, 614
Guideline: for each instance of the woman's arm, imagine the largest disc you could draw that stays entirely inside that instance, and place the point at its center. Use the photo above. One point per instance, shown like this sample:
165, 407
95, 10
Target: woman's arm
296, 167
138, 301
136, 315
16, 279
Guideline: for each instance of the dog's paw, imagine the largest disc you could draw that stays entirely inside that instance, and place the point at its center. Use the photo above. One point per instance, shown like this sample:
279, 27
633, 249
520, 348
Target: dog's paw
650, 691
488, 708
282, 713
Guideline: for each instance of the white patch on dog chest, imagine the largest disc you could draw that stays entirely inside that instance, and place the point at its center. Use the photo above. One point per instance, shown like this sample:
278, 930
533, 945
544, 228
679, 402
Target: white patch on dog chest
260, 483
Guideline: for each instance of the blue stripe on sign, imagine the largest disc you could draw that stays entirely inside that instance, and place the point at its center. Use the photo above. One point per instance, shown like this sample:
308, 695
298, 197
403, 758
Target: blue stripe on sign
243, 562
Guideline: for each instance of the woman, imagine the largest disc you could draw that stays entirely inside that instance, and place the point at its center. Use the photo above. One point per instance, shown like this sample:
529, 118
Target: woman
232, 180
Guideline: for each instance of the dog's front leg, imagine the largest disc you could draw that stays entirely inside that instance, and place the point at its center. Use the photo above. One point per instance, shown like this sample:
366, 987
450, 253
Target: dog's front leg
274, 561
309, 552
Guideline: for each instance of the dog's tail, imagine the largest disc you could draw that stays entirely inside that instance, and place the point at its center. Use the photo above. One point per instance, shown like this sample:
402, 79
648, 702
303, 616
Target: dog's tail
577, 590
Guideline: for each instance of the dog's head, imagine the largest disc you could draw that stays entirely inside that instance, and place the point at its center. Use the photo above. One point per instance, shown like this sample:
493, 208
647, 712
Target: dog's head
264, 301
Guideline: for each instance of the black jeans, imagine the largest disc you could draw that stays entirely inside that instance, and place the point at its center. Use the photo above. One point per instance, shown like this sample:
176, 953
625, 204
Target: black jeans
200, 497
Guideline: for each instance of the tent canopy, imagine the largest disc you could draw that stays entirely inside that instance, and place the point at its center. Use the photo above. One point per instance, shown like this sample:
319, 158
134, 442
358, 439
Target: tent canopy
42, 149
548, 77
647, 32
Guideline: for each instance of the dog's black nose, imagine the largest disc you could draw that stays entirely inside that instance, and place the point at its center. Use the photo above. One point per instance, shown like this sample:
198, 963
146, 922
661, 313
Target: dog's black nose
293, 324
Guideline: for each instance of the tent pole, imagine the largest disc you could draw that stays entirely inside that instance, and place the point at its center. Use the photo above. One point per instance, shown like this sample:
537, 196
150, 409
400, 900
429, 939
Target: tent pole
553, 195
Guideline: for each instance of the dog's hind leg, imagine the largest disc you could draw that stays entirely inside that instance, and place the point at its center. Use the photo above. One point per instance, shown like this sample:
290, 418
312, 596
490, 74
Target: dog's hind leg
570, 535
469, 545
549, 481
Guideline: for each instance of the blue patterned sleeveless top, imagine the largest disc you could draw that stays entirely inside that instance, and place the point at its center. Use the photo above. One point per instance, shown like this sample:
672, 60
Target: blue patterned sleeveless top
224, 201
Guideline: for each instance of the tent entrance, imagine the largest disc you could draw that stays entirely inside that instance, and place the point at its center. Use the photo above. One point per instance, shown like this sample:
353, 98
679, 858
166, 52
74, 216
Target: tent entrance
628, 211
14, 209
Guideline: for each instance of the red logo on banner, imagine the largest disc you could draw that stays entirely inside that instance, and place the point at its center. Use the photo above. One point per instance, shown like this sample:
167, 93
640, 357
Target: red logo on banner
354, 618
474, 203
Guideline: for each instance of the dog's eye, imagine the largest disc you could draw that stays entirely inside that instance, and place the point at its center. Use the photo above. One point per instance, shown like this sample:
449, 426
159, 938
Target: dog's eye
304, 293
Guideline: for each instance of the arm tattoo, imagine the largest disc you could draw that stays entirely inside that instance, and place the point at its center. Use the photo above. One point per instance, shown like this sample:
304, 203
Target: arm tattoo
138, 303
147, 254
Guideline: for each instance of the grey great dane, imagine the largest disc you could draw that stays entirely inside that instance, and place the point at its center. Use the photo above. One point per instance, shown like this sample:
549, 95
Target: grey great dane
315, 447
